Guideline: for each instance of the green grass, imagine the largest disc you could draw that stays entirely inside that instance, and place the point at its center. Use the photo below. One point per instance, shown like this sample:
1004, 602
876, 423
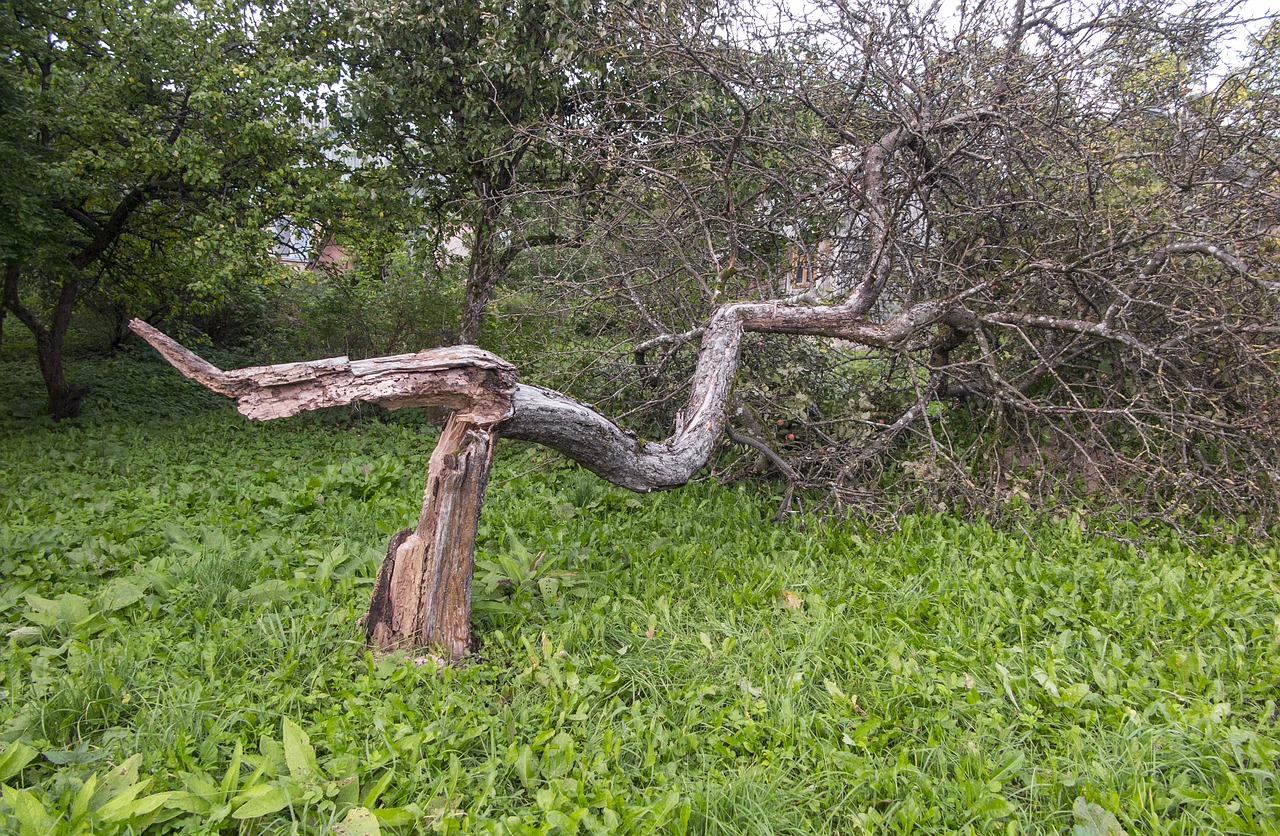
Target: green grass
184, 586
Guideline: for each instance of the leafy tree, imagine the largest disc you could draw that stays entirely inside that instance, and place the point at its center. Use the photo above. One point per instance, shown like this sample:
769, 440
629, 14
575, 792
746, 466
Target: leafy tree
150, 133
464, 99
396, 290
20, 226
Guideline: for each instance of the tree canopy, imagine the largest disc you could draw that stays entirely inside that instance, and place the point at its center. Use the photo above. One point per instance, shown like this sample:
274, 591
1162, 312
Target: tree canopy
153, 137
461, 99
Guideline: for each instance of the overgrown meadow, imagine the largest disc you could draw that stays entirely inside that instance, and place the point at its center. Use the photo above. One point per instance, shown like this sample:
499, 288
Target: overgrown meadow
182, 589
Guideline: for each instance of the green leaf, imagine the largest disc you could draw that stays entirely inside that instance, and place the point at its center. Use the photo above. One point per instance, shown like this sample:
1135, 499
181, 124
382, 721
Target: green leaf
395, 816
80, 804
358, 822
524, 765
148, 804
115, 781
513, 571
62, 613
344, 792
272, 756
379, 788
298, 754
15, 758
200, 784
262, 800
119, 594
82, 754
1073, 694
1011, 768
25, 635
1046, 682
189, 802
268, 591
231, 779
993, 807
126, 805
26, 807
1093, 820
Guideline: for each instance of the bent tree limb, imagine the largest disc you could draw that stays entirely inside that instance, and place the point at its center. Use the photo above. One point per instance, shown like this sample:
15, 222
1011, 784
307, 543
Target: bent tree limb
423, 594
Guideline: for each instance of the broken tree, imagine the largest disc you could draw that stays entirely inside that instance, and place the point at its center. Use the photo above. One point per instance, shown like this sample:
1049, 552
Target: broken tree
423, 594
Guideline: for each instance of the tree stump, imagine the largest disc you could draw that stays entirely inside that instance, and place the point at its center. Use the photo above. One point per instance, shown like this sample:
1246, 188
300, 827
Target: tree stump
423, 595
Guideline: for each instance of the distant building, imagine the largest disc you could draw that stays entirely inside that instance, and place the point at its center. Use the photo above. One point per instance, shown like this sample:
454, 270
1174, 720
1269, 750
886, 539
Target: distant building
299, 247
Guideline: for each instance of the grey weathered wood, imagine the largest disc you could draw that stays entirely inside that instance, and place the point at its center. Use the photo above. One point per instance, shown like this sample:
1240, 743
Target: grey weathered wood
462, 378
598, 444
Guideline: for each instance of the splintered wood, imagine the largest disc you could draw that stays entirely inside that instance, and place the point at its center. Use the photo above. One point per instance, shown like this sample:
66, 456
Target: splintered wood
424, 585
472, 382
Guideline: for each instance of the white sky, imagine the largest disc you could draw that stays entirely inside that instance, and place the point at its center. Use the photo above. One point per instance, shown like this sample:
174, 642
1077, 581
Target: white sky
1262, 11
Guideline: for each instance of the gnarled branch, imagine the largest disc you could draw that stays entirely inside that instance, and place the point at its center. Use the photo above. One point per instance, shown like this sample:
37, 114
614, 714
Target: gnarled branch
475, 383
482, 387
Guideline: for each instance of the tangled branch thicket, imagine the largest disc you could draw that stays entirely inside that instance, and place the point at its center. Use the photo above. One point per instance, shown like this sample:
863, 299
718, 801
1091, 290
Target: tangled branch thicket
1070, 211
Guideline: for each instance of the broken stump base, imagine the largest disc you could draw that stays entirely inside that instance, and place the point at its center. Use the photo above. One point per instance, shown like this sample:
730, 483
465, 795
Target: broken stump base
423, 596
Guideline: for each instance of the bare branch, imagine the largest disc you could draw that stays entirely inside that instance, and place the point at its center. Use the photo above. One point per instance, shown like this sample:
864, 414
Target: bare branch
475, 383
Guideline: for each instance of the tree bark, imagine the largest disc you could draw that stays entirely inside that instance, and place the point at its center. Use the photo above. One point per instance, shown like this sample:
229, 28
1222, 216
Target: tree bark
474, 383
423, 595
481, 278
558, 421
63, 399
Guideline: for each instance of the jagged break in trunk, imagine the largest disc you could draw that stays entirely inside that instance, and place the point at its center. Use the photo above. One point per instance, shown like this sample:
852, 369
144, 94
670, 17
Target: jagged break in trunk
423, 595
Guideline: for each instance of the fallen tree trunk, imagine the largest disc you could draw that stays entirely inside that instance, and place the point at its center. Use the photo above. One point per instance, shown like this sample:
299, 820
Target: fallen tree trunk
423, 594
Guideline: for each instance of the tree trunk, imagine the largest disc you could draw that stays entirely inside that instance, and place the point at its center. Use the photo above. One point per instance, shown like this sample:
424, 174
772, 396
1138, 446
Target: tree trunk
423, 595
63, 399
482, 277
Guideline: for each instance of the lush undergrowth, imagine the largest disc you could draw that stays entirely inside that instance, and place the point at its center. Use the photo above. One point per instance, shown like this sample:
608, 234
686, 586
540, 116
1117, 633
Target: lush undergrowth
181, 595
